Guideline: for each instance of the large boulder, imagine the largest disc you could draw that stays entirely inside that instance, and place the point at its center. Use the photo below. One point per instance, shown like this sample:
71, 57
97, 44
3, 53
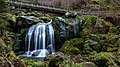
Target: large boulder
90, 46
73, 46
105, 59
95, 25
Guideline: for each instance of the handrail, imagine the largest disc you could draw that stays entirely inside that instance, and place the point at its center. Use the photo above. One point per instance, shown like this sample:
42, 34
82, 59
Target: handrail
30, 5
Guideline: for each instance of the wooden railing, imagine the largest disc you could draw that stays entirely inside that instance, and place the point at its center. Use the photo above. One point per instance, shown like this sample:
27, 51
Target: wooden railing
61, 11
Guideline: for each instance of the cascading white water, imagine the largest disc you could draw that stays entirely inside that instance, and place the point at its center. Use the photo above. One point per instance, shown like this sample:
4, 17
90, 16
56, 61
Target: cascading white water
51, 36
28, 36
39, 34
77, 26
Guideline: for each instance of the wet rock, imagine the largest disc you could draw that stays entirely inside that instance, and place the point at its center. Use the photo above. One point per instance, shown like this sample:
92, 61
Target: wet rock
87, 64
57, 54
36, 53
55, 59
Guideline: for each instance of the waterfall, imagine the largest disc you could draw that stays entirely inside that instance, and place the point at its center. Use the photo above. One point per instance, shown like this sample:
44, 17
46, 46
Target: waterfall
28, 36
51, 35
38, 38
77, 26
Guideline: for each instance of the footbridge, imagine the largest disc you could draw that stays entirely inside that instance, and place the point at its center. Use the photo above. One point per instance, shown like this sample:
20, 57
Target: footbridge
37, 7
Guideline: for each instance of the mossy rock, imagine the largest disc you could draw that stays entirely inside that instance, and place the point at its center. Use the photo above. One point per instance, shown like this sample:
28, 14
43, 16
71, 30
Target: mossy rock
102, 58
33, 63
102, 42
4, 5
3, 62
8, 56
118, 42
91, 46
96, 25
90, 21
72, 46
81, 18
59, 59
2, 45
112, 49
113, 30
45, 19
57, 54
54, 62
77, 58
87, 64
73, 50
3, 25
67, 63
112, 38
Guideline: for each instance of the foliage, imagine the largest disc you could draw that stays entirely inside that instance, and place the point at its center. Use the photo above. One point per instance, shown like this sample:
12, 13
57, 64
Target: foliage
4, 5
8, 58
33, 63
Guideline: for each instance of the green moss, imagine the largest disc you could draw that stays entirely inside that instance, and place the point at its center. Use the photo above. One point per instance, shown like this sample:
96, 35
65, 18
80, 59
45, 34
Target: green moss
91, 46
78, 58
67, 63
72, 46
54, 62
8, 56
113, 30
102, 58
112, 38
112, 49
111, 7
4, 5
32, 63
95, 25
3, 23
103, 22
90, 21
3, 62
2, 45
118, 42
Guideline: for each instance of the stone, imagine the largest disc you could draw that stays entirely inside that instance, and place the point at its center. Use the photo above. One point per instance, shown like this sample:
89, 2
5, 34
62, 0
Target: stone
87, 64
